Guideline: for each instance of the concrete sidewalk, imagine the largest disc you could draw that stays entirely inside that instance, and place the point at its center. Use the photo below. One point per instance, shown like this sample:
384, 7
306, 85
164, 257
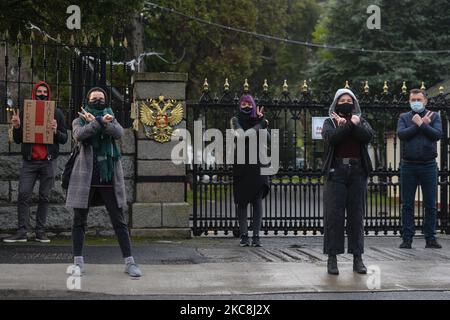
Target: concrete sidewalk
217, 266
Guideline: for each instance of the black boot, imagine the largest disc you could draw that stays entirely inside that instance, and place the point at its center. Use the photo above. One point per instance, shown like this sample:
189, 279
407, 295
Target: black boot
433, 244
332, 265
358, 265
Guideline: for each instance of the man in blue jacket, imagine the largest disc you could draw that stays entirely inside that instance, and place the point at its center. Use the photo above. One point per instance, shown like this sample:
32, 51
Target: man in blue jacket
419, 130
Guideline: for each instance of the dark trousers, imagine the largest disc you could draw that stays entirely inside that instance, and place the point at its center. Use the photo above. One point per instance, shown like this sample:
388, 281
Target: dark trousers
117, 220
44, 171
411, 176
345, 191
257, 215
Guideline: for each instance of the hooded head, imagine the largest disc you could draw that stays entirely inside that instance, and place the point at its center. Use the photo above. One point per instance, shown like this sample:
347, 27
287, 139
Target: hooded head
97, 98
356, 110
41, 91
247, 105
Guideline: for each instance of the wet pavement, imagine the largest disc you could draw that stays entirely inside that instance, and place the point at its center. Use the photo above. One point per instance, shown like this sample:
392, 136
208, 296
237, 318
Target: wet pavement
213, 267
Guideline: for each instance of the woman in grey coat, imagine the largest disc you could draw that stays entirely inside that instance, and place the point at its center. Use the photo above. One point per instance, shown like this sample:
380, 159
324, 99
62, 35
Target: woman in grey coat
97, 176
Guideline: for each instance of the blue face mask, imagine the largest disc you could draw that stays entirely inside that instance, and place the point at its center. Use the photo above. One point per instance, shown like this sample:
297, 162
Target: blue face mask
417, 106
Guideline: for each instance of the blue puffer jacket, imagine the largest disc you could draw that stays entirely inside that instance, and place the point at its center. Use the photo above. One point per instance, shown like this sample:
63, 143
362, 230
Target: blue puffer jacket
419, 144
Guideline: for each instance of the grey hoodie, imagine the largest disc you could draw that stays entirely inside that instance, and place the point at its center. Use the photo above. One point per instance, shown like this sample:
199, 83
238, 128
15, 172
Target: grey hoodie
334, 135
340, 93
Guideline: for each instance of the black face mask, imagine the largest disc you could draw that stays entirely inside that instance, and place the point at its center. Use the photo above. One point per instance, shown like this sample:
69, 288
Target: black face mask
246, 110
97, 104
42, 97
345, 108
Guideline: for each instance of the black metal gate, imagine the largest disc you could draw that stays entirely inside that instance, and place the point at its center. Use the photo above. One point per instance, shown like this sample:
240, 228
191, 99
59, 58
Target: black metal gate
71, 69
295, 203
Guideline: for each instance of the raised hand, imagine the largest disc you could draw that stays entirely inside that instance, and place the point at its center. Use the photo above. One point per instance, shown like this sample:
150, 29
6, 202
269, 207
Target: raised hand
340, 121
260, 112
86, 115
107, 118
15, 119
428, 117
417, 120
356, 120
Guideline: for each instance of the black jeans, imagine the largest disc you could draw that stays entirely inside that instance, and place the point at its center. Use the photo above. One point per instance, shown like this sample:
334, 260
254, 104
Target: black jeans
345, 191
257, 215
117, 220
32, 171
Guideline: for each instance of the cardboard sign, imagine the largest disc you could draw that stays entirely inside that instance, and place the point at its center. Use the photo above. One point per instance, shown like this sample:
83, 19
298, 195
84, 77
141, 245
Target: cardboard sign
37, 121
317, 125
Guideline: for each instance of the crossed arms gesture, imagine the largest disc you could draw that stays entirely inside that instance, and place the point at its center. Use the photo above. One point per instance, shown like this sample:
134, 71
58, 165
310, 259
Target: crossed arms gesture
426, 119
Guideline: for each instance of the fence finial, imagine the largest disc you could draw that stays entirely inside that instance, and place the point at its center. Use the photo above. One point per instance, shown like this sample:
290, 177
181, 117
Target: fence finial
441, 89
347, 85
6, 35
423, 86
386, 87
404, 87
125, 42
85, 40
99, 41
305, 86
226, 86
285, 86
246, 86
206, 85
265, 86
72, 40
58, 38
367, 87
111, 42
19, 36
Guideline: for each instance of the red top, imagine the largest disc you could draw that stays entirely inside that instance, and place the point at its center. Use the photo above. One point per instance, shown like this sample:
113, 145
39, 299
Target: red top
39, 151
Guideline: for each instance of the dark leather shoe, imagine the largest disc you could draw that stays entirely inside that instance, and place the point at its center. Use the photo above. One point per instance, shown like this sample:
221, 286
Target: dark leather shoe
406, 244
433, 244
358, 265
332, 265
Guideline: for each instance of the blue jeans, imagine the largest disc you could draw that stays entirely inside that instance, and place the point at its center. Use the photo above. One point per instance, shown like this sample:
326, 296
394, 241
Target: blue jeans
411, 176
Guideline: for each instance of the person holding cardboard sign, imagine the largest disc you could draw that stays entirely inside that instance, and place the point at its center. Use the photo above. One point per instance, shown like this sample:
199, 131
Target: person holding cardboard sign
40, 128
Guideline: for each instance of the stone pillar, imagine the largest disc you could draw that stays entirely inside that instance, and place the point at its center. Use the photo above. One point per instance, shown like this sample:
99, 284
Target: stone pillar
160, 209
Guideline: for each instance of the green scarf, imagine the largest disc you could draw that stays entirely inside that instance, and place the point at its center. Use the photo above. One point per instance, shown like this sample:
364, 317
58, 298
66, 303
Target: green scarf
104, 146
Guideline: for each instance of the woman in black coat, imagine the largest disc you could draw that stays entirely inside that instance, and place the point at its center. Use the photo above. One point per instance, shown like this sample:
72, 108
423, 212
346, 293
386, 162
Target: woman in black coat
249, 185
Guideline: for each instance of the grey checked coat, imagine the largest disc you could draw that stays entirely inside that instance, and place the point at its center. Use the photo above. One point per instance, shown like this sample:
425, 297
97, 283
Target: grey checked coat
80, 179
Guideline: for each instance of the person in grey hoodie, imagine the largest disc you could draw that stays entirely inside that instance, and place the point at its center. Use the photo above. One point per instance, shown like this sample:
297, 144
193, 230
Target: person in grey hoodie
346, 169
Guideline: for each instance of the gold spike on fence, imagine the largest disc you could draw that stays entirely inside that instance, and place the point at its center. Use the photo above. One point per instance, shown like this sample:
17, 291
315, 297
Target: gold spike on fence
386, 87
265, 86
226, 86
404, 88
246, 86
285, 86
305, 86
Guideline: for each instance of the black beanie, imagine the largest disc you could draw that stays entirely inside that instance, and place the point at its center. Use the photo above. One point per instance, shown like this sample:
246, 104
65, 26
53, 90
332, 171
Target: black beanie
97, 89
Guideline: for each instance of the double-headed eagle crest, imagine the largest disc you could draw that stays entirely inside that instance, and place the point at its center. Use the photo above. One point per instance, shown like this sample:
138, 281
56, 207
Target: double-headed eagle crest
160, 117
